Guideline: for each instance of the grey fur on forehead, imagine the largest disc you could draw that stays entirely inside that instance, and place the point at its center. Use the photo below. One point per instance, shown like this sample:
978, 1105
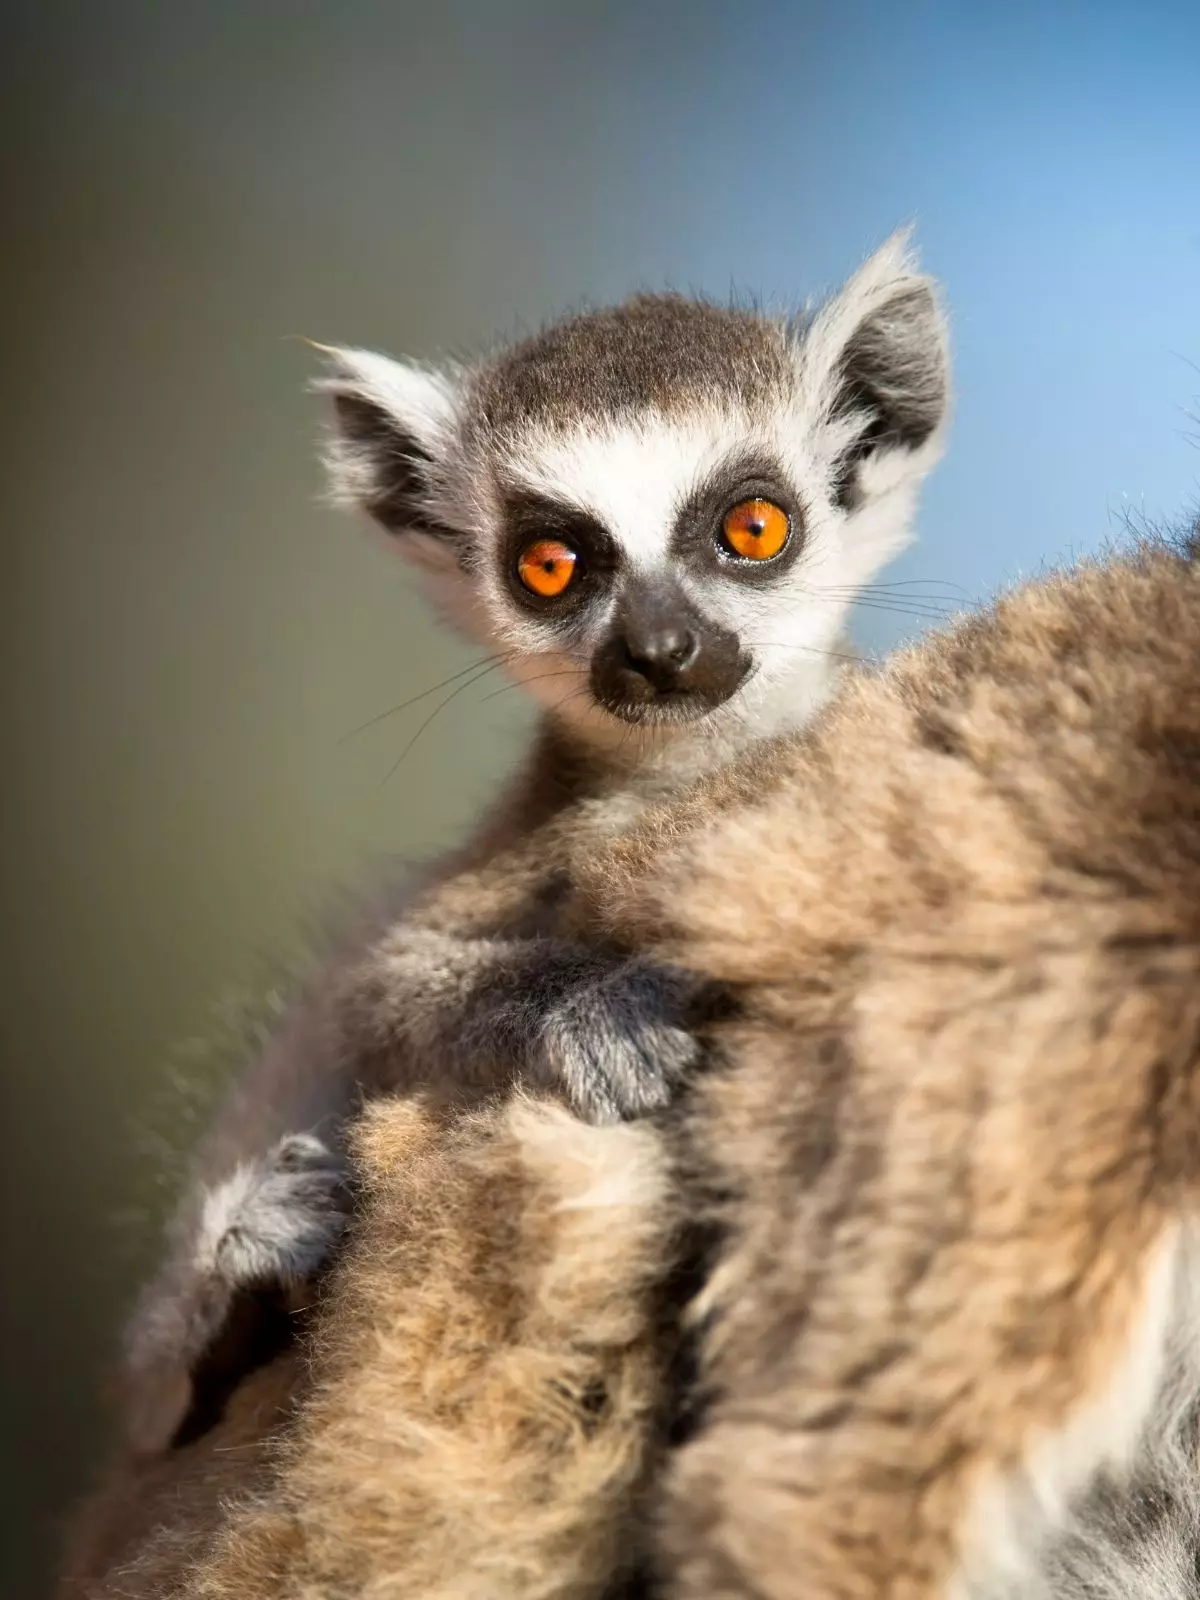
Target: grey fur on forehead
661, 352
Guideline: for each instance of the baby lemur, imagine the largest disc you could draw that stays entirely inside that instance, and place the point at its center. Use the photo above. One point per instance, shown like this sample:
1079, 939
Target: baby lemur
657, 516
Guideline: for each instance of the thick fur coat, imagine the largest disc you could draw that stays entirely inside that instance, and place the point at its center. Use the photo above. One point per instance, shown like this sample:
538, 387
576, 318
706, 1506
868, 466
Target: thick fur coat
480, 1402
952, 1139
614, 508
947, 1142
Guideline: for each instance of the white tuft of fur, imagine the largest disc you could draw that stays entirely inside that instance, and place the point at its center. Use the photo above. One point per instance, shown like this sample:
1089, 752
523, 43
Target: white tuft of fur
421, 400
423, 404
869, 294
1110, 1509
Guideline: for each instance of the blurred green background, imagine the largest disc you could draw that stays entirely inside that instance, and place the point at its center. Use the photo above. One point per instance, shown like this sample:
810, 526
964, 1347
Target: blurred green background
187, 634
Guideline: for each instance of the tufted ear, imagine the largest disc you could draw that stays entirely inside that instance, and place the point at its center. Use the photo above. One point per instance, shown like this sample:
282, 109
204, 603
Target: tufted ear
394, 425
875, 359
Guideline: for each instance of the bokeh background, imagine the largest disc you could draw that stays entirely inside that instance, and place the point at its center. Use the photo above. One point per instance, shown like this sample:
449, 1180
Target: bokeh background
187, 634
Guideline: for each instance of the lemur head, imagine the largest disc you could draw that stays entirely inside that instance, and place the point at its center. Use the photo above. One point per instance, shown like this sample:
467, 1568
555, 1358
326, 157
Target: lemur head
659, 512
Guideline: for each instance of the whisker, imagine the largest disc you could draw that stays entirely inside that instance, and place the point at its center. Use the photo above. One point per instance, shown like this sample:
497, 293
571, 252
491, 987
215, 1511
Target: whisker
489, 661
567, 697
524, 683
507, 688
933, 611
812, 649
569, 694
926, 602
930, 607
910, 583
437, 710
922, 614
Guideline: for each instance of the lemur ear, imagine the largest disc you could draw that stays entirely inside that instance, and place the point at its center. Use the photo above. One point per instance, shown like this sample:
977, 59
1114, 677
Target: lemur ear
875, 359
394, 424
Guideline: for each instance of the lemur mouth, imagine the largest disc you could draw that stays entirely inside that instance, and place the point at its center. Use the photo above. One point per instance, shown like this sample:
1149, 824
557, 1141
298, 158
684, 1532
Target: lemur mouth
664, 662
640, 702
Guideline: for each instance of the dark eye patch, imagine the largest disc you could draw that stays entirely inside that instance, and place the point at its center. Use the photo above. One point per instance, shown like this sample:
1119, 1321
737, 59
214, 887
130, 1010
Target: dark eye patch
696, 536
529, 517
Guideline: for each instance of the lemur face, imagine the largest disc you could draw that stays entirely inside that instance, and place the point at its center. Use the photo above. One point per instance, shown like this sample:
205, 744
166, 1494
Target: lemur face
655, 554
658, 513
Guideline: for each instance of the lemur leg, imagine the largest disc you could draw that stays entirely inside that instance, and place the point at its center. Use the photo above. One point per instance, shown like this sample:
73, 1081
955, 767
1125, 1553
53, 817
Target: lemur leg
275, 1219
616, 1044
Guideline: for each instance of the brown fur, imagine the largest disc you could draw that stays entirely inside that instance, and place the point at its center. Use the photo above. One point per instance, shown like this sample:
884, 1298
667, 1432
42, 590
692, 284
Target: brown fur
959, 1110
475, 1428
659, 352
945, 1135
155, 1515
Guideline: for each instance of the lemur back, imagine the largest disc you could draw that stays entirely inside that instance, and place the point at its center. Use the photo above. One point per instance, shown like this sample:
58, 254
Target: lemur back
657, 516
949, 1135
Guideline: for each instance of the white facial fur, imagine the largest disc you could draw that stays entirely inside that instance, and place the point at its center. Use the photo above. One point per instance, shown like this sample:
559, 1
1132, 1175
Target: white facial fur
635, 476
634, 471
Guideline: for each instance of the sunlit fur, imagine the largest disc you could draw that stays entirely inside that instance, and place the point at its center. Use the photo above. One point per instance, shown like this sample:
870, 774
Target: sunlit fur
620, 413
948, 1346
474, 1429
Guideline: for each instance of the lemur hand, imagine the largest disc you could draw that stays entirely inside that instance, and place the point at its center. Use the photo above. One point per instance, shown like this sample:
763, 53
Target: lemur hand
619, 1043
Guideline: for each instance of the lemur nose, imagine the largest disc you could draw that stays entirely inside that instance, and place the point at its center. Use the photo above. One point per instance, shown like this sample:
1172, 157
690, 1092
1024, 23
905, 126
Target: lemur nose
660, 653
663, 648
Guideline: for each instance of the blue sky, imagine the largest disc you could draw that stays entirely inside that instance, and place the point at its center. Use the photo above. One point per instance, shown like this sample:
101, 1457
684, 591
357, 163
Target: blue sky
1050, 158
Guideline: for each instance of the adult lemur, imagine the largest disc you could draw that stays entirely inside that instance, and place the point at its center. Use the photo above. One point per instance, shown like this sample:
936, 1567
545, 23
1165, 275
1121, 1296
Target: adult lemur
658, 516
947, 1342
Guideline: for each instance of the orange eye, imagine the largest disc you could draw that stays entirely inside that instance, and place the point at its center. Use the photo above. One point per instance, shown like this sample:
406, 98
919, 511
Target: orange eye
546, 567
756, 529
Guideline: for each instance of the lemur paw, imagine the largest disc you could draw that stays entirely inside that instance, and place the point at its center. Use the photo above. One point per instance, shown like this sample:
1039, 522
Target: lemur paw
276, 1218
616, 1044
266, 1227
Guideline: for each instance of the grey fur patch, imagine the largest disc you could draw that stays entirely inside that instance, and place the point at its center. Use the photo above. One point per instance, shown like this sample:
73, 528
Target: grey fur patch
895, 368
895, 372
395, 468
276, 1218
1133, 1537
660, 352
618, 1044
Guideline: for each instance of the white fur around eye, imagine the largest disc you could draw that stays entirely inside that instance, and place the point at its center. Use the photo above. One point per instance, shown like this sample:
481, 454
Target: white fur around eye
633, 471
632, 475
